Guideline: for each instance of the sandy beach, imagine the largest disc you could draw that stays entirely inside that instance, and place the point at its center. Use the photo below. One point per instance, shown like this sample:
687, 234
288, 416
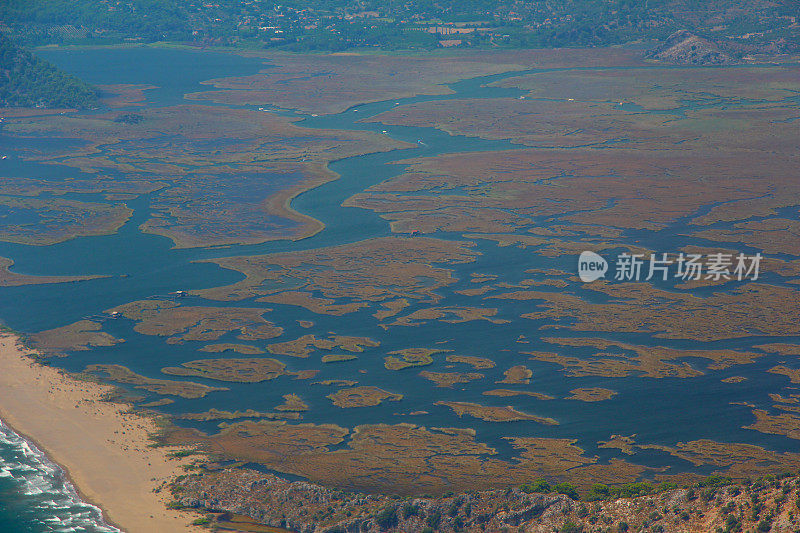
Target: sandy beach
101, 446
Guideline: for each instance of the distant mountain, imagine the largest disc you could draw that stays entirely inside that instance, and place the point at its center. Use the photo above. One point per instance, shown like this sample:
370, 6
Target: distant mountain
686, 47
28, 81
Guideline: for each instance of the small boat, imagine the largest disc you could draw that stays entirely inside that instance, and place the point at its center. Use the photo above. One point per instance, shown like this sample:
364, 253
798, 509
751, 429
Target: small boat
180, 294
116, 314
384, 132
4, 157
315, 115
570, 99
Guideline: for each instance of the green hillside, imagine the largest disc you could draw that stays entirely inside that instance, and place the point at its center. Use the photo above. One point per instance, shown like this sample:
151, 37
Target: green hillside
28, 81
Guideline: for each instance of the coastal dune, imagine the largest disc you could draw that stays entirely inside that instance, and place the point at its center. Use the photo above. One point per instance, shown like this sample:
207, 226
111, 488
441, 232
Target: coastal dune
102, 447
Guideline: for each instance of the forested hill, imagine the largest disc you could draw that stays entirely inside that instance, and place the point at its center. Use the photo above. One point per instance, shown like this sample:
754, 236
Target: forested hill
334, 25
28, 81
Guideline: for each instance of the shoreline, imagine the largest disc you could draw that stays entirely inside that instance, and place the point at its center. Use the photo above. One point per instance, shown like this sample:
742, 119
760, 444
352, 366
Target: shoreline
31, 442
101, 448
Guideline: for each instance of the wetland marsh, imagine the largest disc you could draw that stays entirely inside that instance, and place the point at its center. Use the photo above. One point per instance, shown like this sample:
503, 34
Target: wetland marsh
386, 275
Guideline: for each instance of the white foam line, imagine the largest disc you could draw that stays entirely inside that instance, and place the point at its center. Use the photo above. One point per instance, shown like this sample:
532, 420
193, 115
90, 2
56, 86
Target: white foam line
42, 476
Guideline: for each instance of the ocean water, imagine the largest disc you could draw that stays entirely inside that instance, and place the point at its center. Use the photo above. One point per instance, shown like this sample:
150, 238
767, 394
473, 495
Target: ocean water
35, 495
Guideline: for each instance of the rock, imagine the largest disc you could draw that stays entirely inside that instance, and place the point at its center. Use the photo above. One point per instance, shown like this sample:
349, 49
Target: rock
307, 508
687, 48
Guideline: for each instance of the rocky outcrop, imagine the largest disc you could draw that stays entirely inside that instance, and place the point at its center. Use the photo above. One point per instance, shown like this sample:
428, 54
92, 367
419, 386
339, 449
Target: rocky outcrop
769, 504
308, 508
685, 47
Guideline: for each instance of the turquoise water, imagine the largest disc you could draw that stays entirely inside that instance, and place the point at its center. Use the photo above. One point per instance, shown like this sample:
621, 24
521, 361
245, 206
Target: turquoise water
143, 266
35, 496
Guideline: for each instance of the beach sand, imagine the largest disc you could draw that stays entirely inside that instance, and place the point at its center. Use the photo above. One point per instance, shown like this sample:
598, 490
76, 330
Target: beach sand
102, 448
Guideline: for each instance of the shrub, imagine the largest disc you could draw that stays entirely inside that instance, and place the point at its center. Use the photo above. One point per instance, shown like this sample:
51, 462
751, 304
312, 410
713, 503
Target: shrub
180, 453
540, 485
434, 519
453, 509
715, 481
387, 517
632, 490
622, 527
598, 492
408, 510
570, 527
567, 489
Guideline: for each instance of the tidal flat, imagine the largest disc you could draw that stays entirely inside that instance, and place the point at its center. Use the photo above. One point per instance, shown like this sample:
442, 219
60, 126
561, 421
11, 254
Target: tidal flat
373, 286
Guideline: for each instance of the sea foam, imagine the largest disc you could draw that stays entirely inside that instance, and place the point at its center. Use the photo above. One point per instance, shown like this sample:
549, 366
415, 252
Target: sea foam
48, 497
